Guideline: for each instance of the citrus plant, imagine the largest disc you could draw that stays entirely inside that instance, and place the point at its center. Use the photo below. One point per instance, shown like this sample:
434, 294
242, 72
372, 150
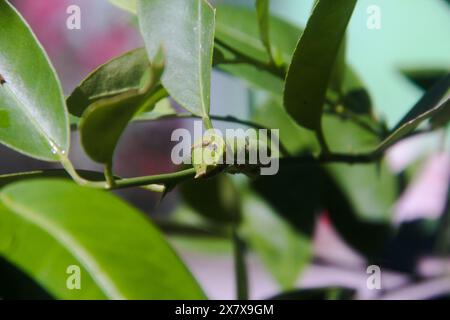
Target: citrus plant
332, 149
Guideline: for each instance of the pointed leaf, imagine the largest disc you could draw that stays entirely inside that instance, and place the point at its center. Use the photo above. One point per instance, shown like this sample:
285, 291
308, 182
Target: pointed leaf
314, 59
110, 79
104, 121
45, 228
33, 118
185, 30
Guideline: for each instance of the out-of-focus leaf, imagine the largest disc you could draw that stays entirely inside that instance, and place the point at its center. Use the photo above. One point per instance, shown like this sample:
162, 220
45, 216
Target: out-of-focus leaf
300, 193
186, 215
295, 138
237, 27
113, 78
297, 193
283, 250
430, 105
312, 66
33, 117
263, 13
104, 121
185, 30
216, 199
371, 188
377, 187
49, 225
294, 193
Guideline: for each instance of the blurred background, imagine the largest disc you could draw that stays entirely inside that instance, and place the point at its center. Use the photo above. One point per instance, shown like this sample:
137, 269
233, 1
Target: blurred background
397, 63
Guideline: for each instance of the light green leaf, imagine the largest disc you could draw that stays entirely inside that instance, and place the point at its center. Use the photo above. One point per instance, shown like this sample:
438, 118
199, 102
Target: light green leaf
104, 121
185, 30
115, 77
48, 225
311, 69
237, 27
33, 117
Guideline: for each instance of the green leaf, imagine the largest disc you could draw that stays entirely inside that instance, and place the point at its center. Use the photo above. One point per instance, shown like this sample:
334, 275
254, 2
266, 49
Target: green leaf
128, 5
429, 106
295, 138
45, 228
237, 27
33, 117
300, 193
104, 121
371, 188
115, 77
284, 251
263, 12
314, 59
366, 193
185, 30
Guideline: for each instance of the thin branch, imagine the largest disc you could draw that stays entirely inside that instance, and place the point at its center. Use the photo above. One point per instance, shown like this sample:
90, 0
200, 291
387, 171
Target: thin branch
166, 178
109, 175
